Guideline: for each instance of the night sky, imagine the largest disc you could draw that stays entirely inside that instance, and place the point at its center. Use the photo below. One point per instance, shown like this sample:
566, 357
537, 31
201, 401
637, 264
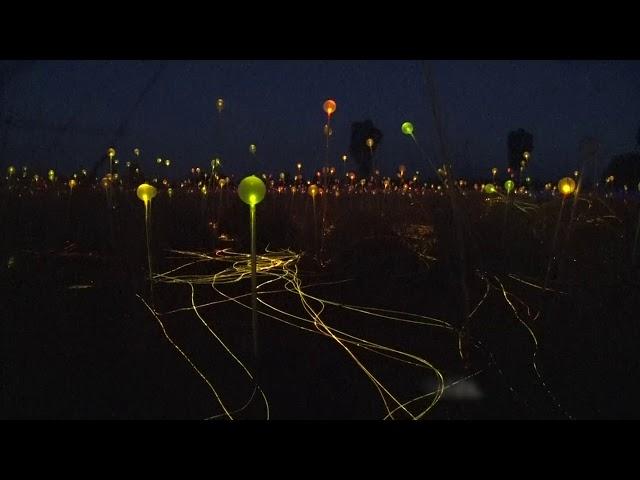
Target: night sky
73, 110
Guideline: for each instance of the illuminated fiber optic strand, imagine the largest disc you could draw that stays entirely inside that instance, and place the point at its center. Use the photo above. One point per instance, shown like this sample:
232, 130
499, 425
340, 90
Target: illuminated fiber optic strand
282, 266
327, 331
231, 258
511, 299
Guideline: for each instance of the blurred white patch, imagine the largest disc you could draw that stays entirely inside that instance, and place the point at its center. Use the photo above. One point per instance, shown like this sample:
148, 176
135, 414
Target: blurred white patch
457, 390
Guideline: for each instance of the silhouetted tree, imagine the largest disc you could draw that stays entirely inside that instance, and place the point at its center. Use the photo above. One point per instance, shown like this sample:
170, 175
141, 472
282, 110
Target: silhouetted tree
358, 149
518, 142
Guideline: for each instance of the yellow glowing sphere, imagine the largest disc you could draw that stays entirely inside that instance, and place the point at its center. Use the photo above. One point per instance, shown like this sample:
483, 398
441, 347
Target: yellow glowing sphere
329, 107
51, 174
72, 184
158, 160
344, 158
167, 162
222, 182
170, 192
252, 149
11, 170
111, 152
146, 192
299, 165
509, 185
369, 142
566, 186
251, 190
489, 188
494, 170
526, 155
313, 191
136, 152
220, 104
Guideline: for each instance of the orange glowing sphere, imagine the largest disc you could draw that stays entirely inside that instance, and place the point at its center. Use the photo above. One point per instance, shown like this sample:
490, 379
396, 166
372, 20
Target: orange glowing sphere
329, 106
313, 191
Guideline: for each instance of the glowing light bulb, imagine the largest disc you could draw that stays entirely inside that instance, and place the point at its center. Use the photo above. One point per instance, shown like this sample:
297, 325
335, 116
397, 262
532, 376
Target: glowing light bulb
146, 192
566, 186
251, 190
489, 188
407, 128
509, 185
329, 107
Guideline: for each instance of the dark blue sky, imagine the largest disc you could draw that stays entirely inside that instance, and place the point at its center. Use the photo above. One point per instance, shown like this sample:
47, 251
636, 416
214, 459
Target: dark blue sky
278, 106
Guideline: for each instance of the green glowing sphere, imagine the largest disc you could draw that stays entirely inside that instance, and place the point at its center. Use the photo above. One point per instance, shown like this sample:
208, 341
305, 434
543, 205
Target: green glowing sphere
566, 186
407, 128
146, 192
489, 188
509, 185
251, 190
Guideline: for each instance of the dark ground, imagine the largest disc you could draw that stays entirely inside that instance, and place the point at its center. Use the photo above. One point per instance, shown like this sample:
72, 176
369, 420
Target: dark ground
98, 353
